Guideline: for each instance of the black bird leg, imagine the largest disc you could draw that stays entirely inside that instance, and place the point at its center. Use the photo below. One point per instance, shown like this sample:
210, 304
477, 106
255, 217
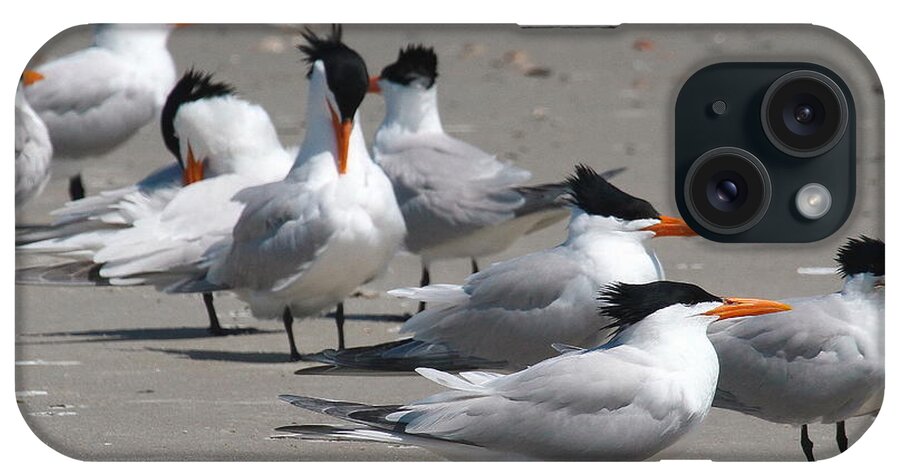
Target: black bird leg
842, 440
76, 187
474, 266
214, 327
806, 443
339, 320
426, 280
288, 319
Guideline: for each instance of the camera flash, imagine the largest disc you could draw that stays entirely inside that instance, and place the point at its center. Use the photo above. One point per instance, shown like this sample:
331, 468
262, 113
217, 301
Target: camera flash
813, 201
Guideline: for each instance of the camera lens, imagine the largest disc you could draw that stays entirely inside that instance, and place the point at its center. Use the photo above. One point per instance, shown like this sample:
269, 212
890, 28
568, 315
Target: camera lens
727, 190
804, 113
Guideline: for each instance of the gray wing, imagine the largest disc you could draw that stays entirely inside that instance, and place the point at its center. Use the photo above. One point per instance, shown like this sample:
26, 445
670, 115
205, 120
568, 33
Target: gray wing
575, 405
447, 188
802, 364
278, 236
84, 97
532, 301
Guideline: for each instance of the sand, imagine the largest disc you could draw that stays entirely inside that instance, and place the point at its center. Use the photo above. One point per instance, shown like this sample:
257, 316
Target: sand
130, 374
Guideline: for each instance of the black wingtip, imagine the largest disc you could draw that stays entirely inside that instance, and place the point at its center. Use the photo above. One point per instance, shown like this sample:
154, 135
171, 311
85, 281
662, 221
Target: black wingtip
861, 255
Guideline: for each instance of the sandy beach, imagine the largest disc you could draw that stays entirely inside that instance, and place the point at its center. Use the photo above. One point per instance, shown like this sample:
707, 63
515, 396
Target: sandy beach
131, 374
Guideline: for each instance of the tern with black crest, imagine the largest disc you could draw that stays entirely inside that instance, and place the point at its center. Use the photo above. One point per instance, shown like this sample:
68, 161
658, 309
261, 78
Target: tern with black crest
165, 224
303, 244
821, 363
511, 313
626, 400
458, 200
192, 102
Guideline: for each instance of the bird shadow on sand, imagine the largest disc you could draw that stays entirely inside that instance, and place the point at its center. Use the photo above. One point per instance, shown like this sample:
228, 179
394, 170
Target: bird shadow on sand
227, 356
119, 335
371, 317
344, 371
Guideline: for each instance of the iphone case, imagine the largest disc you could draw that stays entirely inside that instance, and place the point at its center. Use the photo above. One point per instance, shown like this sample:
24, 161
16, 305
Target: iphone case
129, 373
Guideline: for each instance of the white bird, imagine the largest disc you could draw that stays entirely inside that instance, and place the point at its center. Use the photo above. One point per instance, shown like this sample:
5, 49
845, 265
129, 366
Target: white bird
821, 363
188, 102
166, 223
626, 400
458, 200
33, 148
304, 244
94, 99
512, 312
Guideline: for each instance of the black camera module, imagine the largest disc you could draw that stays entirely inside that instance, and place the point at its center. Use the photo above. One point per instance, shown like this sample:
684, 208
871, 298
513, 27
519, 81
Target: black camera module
727, 190
804, 113
765, 152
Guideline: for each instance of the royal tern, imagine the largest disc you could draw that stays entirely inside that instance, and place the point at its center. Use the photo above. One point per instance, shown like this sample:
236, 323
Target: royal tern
458, 200
167, 222
821, 363
512, 312
305, 243
33, 149
93, 100
626, 400
119, 208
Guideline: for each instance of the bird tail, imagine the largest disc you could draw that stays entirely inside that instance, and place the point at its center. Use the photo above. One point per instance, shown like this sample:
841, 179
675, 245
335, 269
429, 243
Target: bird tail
76, 273
374, 423
435, 293
340, 433
401, 356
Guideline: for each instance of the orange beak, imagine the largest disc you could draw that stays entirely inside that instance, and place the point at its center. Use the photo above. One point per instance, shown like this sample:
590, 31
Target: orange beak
342, 132
193, 169
31, 76
374, 87
670, 226
740, 307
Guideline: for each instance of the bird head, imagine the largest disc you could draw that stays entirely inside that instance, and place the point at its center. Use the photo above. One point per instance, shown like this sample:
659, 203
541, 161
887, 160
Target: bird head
343, 72
414, 70
862, 257
615, 210
192, 87
673, 302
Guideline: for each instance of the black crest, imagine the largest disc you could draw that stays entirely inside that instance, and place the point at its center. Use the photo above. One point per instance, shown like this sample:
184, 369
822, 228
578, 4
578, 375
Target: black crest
861, 255
415, 62
627, 304
193, 86
345, 70
596, 196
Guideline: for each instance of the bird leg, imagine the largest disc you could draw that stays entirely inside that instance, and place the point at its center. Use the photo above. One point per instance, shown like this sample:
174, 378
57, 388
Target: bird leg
339, 320
474, 266
426, 280
214, 327
288, 319
76, 188
806, 443
842, 440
